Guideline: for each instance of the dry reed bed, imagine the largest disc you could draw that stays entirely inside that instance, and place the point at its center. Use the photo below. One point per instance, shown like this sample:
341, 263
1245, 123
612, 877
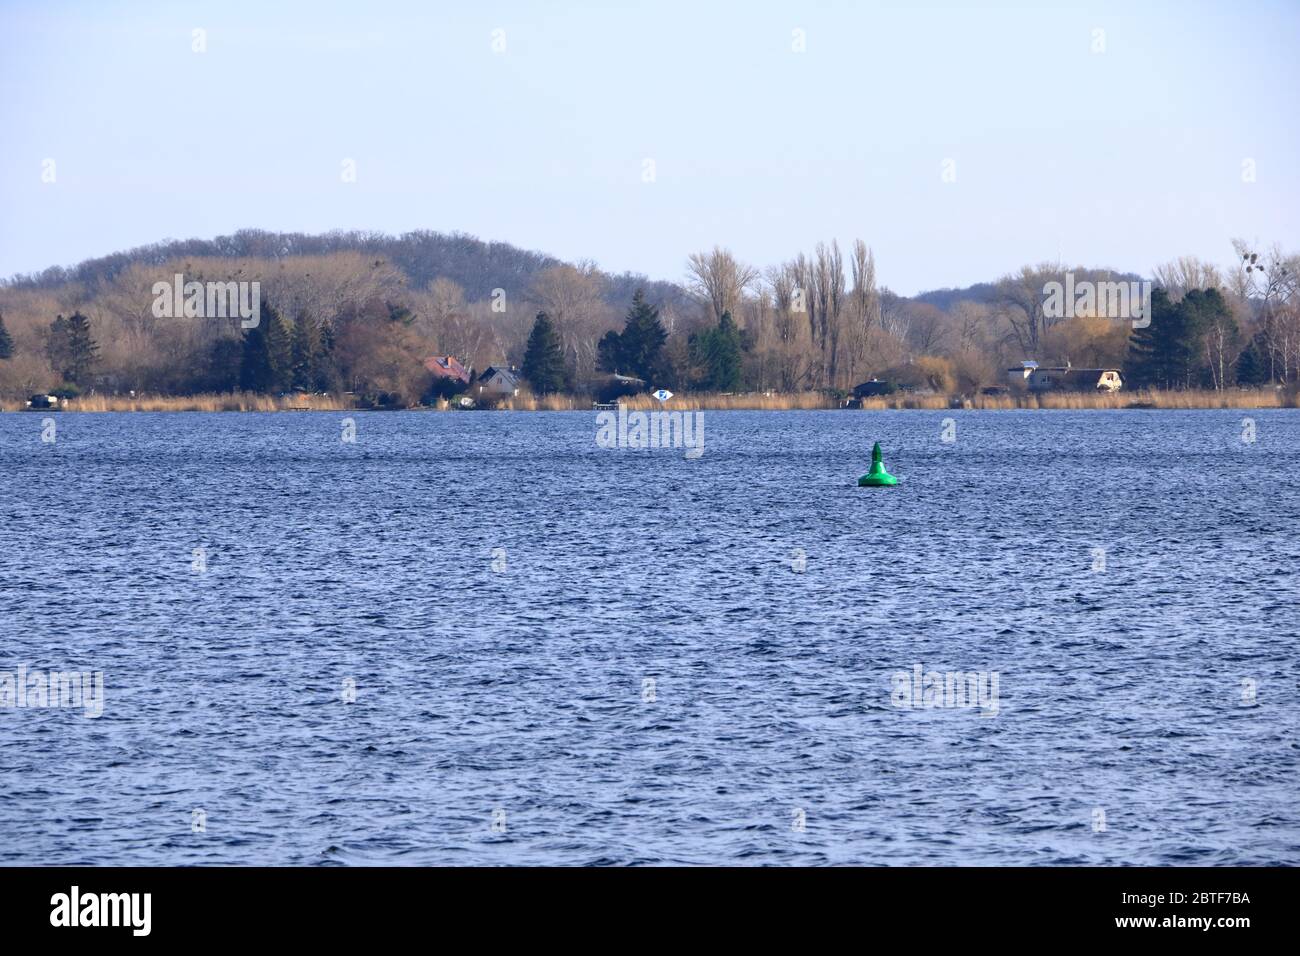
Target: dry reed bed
702, 400
224, 402
1156, 398
1232, 398
1153, 398
250, 402
756, 401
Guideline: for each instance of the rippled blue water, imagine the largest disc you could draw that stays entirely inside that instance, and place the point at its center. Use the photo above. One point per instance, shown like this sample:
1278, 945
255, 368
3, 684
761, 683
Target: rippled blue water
504, 711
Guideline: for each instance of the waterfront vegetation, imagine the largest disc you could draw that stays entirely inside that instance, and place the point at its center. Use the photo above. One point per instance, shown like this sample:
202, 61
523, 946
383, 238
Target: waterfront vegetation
558, 402
352, 321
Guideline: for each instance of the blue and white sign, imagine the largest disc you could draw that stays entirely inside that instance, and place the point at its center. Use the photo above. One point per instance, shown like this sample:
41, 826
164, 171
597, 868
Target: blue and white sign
663, 394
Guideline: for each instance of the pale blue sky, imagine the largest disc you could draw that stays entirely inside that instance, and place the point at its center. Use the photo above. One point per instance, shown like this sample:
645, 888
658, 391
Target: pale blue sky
1124, 158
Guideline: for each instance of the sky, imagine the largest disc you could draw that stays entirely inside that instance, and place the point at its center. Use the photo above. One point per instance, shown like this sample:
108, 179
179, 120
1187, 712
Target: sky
959, 140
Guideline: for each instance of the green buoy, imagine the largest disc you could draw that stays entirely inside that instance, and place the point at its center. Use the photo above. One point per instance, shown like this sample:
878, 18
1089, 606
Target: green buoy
877, 477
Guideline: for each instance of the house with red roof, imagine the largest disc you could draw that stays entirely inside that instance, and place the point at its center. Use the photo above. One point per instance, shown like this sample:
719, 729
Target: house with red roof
447, 367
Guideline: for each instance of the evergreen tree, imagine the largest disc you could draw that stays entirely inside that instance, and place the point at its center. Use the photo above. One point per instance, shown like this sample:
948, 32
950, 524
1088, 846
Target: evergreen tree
266, 363
638, 349
1213, 338
1171, 351
328, 378
717, 352
6, 342
1185, 342
223, 366
1149, 362
72, 349
1252, 366
305, 353
254, 365
544, 358
609, 352
279, 351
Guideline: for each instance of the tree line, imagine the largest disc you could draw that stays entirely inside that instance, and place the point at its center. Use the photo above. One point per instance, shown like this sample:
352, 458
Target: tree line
345, 321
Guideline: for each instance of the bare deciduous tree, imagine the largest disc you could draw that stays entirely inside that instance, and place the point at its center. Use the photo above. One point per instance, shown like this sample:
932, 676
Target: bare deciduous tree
719, 279
864, 307
928, 328
1021, 298
1272, 282
571, 296
1179, 276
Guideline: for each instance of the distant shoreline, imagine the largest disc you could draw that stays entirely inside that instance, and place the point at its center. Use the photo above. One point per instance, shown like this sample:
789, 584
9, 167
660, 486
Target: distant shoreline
798, 401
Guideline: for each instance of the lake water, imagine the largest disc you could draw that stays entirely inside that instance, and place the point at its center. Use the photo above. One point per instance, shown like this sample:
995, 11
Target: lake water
568, 654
